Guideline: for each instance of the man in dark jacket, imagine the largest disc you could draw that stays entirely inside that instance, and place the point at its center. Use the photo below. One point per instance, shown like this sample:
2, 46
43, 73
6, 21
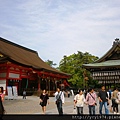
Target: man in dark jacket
103, 100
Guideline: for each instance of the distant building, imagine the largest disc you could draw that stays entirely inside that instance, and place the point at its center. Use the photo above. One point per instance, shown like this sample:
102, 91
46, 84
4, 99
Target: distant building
22, 67
107, 69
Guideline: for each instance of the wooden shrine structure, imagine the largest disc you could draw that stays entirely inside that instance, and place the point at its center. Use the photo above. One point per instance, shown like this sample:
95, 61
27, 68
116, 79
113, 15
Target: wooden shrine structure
107, 69
22, 67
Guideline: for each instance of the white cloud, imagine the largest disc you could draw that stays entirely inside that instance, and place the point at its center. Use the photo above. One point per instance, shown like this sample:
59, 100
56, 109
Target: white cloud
61, 27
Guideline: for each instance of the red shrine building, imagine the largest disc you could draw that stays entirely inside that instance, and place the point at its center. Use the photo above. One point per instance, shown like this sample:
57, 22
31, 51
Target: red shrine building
22, 67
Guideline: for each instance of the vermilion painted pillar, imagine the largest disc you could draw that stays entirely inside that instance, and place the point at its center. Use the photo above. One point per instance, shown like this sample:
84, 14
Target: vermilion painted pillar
7, 76
38, 83
6, 86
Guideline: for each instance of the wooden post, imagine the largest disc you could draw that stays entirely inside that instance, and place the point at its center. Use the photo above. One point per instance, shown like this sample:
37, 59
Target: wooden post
49, 87
38, 84
56, 83
7, 76
114, 84
6, 87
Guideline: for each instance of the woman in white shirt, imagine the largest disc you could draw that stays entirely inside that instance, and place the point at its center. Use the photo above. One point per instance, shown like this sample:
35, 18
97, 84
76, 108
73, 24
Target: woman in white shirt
79, 102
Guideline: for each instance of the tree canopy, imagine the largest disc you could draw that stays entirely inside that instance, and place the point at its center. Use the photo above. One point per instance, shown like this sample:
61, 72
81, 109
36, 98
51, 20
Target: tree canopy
51, 63
73, 65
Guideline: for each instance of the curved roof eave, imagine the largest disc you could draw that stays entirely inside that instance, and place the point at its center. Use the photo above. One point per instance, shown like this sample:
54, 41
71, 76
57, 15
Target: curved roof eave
106, 54
38, 68
104, 57
109, 63
25, 56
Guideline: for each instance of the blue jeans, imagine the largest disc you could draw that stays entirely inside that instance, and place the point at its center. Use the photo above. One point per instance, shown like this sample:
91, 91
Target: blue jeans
59, 107
91, 109
105, 106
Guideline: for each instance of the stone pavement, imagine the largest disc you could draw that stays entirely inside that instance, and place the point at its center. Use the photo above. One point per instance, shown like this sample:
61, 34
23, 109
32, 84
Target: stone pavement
31, 106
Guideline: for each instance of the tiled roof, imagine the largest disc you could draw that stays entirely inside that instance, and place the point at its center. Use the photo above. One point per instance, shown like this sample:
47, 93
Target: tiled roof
108, 63
24, 56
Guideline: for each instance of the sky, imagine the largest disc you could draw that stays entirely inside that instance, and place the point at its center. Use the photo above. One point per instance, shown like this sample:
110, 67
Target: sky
55, 28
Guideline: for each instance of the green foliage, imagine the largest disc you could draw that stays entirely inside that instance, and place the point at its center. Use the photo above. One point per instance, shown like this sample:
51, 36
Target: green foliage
49, 62
73, 64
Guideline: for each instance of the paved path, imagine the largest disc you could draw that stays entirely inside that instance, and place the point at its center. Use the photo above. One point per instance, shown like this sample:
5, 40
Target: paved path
31, 106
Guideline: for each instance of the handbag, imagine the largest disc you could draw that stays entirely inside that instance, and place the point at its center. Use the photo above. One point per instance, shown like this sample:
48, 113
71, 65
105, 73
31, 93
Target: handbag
41, 103
94, 99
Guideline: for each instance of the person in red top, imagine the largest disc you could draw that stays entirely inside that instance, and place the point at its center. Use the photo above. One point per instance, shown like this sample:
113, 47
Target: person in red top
91, 101
2, 110
1, 93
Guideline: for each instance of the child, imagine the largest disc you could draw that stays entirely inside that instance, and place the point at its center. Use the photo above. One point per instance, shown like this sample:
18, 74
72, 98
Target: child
24, 94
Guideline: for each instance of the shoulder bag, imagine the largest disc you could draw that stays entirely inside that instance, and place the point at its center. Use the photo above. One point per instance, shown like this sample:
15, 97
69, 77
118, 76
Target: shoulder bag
58, 99
93, 99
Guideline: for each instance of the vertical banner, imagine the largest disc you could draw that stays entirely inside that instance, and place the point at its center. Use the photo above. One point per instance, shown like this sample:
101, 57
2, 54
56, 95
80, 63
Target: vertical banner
15, 92
9, 90
26, 83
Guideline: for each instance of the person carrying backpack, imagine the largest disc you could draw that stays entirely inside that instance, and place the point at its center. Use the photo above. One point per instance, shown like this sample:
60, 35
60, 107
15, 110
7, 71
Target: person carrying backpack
59, 100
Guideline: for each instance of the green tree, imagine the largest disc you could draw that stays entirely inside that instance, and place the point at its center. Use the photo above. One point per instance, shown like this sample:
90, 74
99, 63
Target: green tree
73, 64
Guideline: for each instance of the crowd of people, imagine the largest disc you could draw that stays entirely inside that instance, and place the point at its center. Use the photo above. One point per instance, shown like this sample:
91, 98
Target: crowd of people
82, 98
90, 99
104, 99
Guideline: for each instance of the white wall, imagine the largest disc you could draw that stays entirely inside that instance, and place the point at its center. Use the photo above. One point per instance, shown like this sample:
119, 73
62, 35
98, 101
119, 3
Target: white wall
3, 84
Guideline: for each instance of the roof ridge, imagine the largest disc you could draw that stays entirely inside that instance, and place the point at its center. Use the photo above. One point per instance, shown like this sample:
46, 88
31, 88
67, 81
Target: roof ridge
20, 46
116, 44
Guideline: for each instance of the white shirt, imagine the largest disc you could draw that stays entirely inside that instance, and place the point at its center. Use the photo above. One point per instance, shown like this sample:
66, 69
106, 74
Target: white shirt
80, 100
61, 94
118, 95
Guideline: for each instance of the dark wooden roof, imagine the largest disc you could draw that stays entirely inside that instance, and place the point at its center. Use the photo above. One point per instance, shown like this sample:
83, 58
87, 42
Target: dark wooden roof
106, 64
110, 59
24, 56
112, 54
